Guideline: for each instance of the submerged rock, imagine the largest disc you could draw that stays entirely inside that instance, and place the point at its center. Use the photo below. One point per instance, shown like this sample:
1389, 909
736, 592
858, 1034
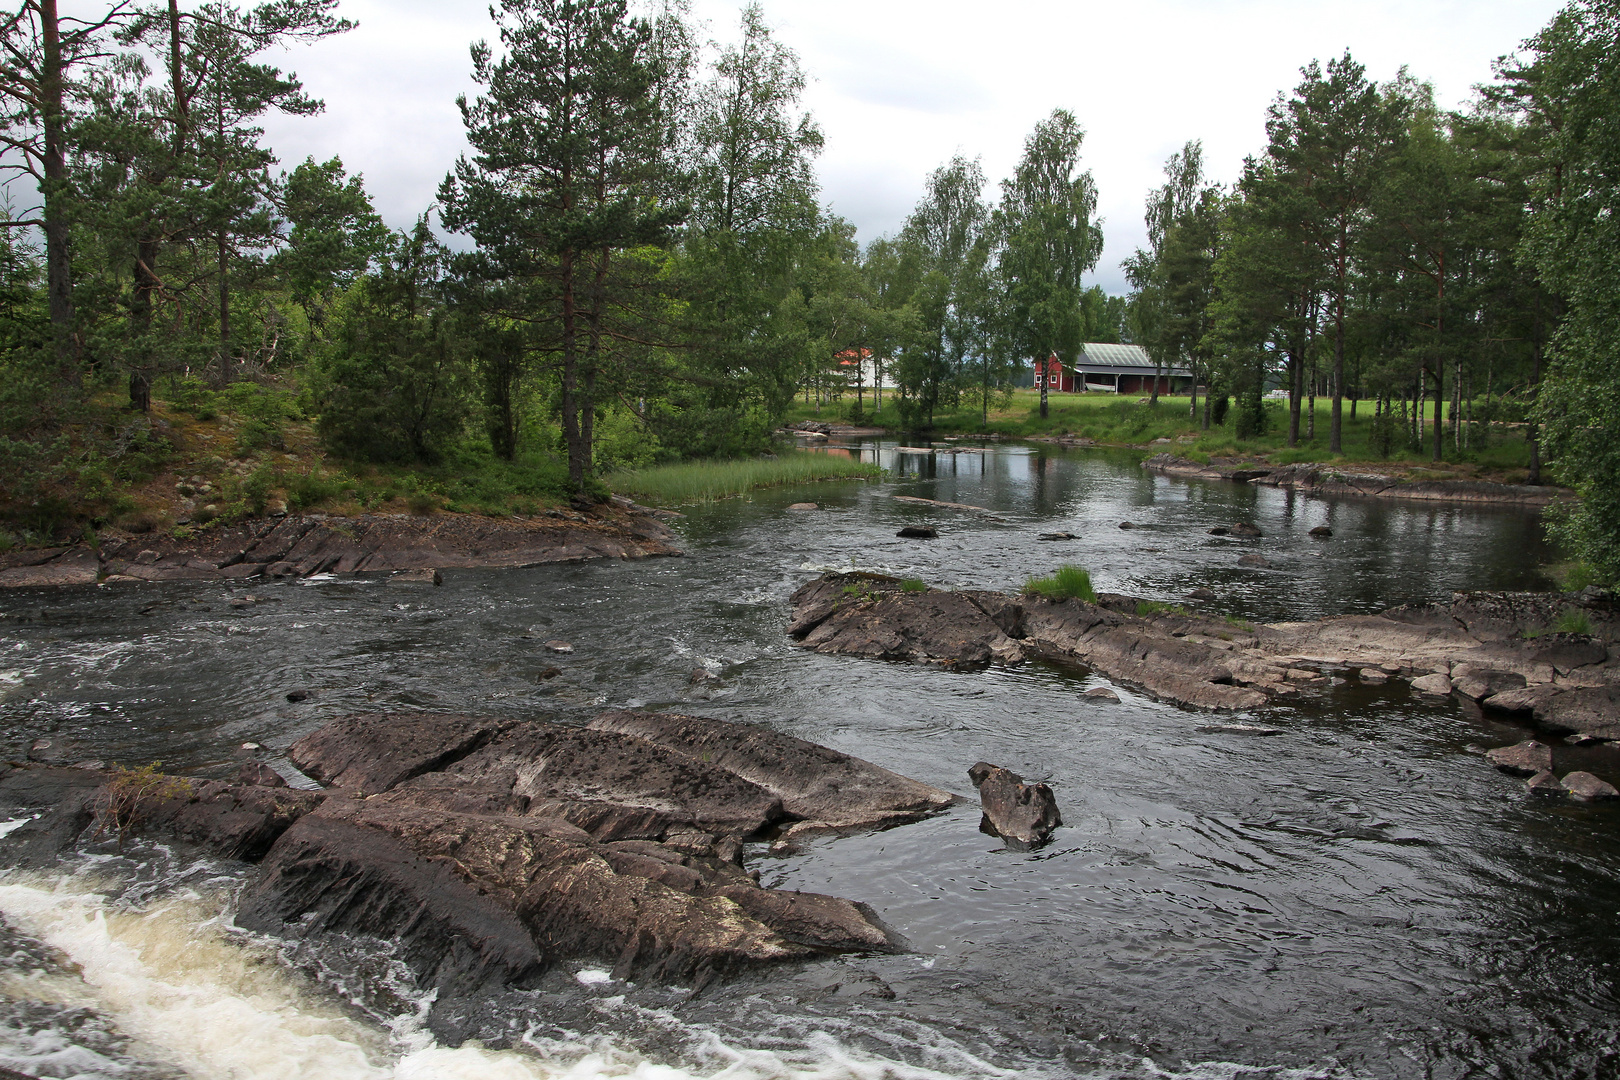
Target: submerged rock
918, 532
1545, 783
1102, 693
1057, 536
1321, 532
1024, 815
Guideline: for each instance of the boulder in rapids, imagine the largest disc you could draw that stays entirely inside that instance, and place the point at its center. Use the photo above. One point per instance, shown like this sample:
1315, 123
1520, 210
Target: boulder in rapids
1545, 782
1257, 561
258, 774
918, 532
1102, 693
1024, 815
1245, 529
1321, 532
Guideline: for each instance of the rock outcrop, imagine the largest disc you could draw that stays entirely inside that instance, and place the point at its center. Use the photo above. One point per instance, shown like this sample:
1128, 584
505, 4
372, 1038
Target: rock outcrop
1493, 648
489, 850
299, 546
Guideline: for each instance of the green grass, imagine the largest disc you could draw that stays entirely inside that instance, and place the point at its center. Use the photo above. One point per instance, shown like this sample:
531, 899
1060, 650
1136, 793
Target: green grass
1068, 582
707, 481
1113, 420
1157, 607
912, 584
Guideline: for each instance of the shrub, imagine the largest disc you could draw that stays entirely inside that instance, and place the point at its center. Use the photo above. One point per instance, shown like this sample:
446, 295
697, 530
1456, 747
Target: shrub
131, 792
1068, 582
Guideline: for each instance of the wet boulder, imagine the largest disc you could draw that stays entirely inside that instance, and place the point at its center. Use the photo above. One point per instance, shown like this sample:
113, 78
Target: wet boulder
1321, 532
1245, 529
1482, 683
918, 532
1545, 782
845, 615
1592, 710
1437, 684
1024, 815
1585, 786
1522, 759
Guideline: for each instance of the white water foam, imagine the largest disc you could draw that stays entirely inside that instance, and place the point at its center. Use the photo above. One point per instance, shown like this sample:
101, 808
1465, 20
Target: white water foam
192, 996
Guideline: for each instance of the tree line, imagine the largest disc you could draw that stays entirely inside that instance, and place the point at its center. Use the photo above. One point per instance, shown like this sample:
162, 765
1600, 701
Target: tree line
1443, 269
651, 271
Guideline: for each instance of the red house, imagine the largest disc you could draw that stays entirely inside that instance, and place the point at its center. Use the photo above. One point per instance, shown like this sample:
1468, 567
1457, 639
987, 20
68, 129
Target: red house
1055, 377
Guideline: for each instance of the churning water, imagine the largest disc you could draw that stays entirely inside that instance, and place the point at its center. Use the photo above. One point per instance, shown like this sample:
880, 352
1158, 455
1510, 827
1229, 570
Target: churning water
1361, 896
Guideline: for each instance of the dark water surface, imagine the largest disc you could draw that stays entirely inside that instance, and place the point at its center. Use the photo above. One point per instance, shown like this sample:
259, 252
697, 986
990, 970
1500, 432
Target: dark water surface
1360, 896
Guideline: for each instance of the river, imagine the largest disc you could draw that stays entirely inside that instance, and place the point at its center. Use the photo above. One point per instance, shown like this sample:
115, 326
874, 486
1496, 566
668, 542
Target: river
1360, 896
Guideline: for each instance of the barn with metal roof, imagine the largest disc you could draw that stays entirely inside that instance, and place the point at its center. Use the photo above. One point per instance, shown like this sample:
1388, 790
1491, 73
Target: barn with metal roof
1112, 368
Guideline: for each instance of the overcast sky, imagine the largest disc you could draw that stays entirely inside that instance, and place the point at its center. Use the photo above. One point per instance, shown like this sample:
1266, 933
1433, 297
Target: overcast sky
898, 86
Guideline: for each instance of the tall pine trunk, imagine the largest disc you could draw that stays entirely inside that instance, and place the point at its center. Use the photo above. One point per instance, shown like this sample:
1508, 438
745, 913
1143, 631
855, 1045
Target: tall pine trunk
58, 236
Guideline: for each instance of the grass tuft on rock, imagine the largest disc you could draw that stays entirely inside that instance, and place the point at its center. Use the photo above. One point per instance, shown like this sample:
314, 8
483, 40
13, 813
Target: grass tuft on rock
1067, 583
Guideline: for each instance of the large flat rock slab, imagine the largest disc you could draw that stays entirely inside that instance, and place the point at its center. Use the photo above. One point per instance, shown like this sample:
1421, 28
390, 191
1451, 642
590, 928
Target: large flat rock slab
302, 545
814, 783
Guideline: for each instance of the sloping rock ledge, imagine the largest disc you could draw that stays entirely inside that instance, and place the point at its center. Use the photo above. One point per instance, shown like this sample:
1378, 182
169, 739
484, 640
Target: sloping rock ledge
490, 850
300, 546
1496, 649
1317, 479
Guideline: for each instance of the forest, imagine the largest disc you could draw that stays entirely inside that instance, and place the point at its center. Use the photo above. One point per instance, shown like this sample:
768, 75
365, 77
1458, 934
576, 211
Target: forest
632, 264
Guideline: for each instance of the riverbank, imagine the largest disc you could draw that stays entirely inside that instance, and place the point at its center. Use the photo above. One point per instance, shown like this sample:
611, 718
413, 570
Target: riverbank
295, 546
1316, 478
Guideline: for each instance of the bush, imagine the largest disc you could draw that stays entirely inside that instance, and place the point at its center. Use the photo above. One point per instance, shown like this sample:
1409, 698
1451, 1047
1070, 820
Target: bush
1067, 583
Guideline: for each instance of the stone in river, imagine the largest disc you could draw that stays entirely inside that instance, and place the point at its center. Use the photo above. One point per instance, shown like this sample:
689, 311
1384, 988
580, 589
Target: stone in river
372, 752
1203, 594
559, 646
1581, 738
1220, 530
918, 532
1127, 525
295, 696
804, 506
1522, 759
1243, 528
1101, 693
1024, 815
1437, 684
1238, 729
1585, 786
1545, 783
1056, 536
1257, 561
1374, 676
1481, 683
258, 774
1322, 532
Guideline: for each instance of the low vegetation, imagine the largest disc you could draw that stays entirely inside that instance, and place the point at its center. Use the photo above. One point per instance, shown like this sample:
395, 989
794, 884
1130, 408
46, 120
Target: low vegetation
1066, 583
706, 481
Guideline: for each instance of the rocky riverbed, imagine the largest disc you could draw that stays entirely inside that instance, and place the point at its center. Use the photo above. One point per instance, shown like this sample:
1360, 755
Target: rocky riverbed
1499, 650
305, 545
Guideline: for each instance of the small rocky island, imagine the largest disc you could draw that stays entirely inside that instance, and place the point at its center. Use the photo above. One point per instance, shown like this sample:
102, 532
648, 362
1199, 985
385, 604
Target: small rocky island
1496, 649
491, 850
